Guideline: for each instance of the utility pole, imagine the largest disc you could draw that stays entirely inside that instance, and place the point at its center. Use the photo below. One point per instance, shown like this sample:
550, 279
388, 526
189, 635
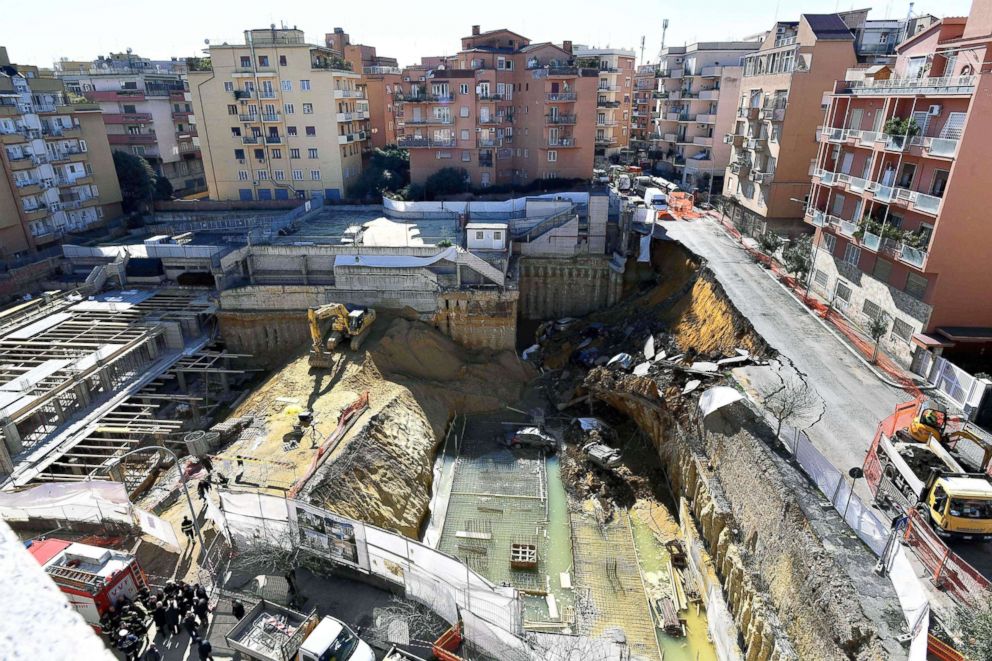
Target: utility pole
664, 31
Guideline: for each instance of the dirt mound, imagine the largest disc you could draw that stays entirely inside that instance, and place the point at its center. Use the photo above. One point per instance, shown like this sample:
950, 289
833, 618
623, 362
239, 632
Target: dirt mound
706, 321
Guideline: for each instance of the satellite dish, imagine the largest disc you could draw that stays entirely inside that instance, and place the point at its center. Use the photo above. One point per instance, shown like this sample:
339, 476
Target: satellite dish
206, 41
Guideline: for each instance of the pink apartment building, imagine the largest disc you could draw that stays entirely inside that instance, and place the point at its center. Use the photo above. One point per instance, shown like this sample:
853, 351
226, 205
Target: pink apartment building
898, 194
506, 110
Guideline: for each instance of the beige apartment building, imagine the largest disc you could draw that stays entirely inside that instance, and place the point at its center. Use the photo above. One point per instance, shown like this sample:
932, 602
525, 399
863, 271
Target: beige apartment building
695, 105
506, 110
380, 75
614, 96
58, 172
147, 112
278, 118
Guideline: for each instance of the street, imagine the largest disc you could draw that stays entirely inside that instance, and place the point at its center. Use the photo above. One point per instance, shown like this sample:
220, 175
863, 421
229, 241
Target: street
854, 399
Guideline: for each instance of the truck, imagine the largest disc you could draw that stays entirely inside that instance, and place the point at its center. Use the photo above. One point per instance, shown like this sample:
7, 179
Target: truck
656, 199
93, 578
270, 632
906, 473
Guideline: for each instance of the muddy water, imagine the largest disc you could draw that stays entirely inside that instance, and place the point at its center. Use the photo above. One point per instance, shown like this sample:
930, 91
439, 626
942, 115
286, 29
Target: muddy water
654, 565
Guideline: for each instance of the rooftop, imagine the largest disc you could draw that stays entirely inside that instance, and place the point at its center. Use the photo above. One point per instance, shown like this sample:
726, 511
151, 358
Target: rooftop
829, 27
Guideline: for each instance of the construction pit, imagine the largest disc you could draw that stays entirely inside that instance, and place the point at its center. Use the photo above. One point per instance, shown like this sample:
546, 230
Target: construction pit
703, 542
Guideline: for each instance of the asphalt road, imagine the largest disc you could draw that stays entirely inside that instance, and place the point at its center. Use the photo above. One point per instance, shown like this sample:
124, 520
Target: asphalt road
854, 400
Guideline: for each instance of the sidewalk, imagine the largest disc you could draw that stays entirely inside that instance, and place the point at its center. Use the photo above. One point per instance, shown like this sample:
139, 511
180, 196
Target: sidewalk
856, 340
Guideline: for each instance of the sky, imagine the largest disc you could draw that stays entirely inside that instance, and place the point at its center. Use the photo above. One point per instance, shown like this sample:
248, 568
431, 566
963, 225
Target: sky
405, 30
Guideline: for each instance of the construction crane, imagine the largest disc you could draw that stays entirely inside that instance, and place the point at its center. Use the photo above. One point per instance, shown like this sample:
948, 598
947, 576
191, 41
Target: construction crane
352, 323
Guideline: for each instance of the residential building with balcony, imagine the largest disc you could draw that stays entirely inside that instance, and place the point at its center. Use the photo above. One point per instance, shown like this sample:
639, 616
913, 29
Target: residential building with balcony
614, 96
642, 112
380, 75
695, 96
778, 110
59, 175
897, 198
147, 113
278, 118
506, 110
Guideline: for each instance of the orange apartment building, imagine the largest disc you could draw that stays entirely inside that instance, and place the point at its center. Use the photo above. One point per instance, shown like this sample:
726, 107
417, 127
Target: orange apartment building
641, 114
897, 197
614, 96
779, 108
380, 75
504, 109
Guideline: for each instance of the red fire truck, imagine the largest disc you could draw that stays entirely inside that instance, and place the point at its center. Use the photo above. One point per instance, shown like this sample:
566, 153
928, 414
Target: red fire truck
93, 578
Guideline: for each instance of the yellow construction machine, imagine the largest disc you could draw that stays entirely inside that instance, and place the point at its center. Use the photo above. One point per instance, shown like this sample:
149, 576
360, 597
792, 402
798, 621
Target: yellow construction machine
931, 421
354, 323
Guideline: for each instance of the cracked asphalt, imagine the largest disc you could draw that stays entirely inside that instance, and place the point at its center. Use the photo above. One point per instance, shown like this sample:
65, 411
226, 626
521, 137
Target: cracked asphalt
854, 400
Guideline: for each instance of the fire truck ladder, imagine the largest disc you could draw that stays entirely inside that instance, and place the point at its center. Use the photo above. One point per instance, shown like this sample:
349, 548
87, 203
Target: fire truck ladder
78, 577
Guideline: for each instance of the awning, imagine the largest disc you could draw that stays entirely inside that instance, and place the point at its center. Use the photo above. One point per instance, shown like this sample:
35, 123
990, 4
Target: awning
929, 341
966, 333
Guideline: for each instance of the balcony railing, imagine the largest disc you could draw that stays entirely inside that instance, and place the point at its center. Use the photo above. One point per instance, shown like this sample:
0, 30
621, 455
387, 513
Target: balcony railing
270, 117
250, 140
785, 41
931, 86
929, 146
711, 71
273, 139
560, 119
380, 71
349, 94
912, 256
559, 97
410, 141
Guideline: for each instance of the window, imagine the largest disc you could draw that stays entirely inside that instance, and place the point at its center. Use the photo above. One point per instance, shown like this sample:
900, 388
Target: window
242, 175
552, 156
294, 152
127, 109
466, 156
282, 60
290, 130
829, 242
901, 330
304, 85
916, 285
239, 154
497, 236
315, 175
311, 130
263, 60
821, 278
286, 85
276, 153
882, 270
297, 175
278, 175
228, 87
232, 109
260, 154
288, 108
235, 132
463, 111
852, 254
872, 310
843, 292
245, 62
307, 108
262, 174
463, 134
312, 153
463, 88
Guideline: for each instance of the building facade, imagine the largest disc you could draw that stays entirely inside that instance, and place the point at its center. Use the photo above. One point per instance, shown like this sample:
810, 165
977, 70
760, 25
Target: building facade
641, 114
896, 199
504, 109
614, 96
697, 88
58, 170
147, 112
278, 118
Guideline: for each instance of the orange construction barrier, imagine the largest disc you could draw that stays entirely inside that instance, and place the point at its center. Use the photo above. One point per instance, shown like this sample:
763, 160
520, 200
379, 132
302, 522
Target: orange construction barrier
941, 651
345, 420
445, 646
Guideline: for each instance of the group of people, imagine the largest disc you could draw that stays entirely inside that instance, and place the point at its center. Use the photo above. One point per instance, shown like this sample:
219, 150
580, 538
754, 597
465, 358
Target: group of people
178, 605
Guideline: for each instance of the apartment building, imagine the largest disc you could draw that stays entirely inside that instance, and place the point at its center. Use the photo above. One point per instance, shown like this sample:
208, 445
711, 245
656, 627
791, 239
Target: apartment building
146, 110
779, 108
642, 111
897, 192
380, 76
614, 96
58, 170
696, 92
506, 110
278, 118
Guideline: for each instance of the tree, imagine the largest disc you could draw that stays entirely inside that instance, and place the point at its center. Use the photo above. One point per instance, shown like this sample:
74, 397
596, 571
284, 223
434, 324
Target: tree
137, 180
798, 258
447, 181
163, 188
975, 624
388, 172
877, 328
769, 242
793, 402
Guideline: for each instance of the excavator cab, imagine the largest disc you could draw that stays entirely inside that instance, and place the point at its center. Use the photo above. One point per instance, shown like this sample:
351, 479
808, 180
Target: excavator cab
930, 420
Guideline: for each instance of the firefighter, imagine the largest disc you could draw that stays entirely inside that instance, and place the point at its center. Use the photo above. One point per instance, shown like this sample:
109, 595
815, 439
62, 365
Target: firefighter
187, 527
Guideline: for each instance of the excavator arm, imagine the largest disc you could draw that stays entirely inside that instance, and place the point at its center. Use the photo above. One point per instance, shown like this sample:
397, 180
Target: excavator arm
952, 439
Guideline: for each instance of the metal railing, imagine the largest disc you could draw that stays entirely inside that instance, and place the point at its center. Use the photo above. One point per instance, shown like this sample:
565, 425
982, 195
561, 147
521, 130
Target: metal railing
561, 96
935, 85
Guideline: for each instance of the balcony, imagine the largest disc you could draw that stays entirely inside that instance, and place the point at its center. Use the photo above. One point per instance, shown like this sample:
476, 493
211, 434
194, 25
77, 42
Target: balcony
492, 120
270, 117
560, 143
251, 139
132, 138
816, 218
484, 97
352, 116
349, 94
561, 97
740, 168
273, 139
659, 94
605, 122
711, 72
749, 113
414, 142
760, 177
128, 118
116, 95
946, 85
702, 141
488, 142
248, 118
912, 256
757, 144
734, 139
21, 163
74, 181
705, 118
785, 41
352, 137
772, 114
181, 115
709, 95
381, 71
559, 119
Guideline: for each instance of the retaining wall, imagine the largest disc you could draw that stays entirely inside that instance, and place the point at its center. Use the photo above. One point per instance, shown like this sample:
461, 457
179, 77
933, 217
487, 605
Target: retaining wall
557, 287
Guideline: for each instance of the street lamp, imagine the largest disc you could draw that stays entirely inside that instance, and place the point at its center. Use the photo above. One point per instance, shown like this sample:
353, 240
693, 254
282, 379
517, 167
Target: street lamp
182, 479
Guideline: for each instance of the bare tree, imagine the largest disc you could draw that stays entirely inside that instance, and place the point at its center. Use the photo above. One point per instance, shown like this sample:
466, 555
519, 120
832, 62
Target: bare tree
794, 401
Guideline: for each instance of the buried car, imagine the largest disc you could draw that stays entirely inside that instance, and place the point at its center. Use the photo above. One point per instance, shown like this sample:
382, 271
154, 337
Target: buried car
530, 437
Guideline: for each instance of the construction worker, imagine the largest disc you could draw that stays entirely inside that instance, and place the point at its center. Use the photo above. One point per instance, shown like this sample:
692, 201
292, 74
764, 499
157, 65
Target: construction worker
187, 527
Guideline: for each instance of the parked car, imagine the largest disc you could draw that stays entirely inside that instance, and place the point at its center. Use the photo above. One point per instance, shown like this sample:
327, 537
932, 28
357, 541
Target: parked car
530, 437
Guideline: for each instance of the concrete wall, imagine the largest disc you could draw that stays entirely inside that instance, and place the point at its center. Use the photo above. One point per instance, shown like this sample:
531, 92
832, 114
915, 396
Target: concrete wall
557, 287
479, 319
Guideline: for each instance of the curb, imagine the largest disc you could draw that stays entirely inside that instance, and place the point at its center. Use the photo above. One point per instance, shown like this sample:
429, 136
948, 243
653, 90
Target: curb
853, 351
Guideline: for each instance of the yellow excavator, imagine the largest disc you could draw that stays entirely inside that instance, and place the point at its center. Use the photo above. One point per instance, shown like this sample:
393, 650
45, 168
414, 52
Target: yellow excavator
354, 323
931, 421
